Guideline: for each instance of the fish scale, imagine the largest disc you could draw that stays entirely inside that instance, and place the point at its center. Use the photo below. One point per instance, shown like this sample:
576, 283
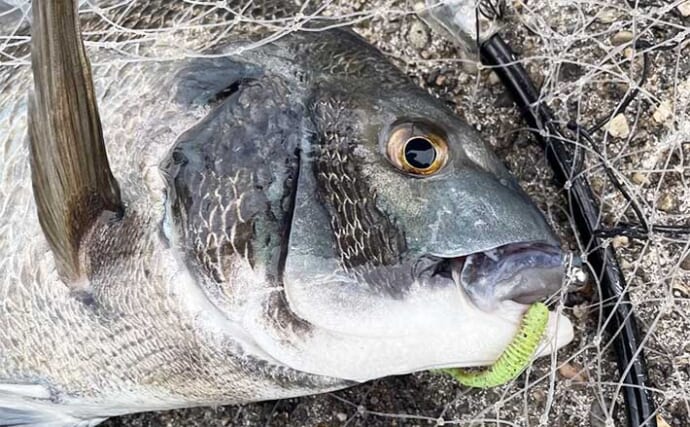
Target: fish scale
352, 215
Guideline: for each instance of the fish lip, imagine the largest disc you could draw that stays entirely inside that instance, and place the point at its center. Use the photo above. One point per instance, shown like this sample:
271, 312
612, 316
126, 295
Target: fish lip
521, 272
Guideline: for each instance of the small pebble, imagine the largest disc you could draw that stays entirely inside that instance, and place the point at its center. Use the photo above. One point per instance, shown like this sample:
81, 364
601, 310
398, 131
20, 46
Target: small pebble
620, 241
684, 8
463, 79
608, 16
685, 264
494, 79
570, 71
639, 179
342, 417
470, 67
418, 35
572, 371
681, 291
535, 74
503, 101
618, 127
663, 112
440, 80
631, 54
580, 311
622, 37
666, 202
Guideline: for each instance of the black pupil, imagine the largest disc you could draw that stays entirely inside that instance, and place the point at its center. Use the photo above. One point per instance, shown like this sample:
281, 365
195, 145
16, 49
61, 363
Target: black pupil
420, 153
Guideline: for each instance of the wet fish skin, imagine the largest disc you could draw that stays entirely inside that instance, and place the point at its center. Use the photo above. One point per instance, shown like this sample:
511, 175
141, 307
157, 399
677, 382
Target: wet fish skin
252, 183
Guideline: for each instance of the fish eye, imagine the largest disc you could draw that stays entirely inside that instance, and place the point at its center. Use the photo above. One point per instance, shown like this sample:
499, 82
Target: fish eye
416, 149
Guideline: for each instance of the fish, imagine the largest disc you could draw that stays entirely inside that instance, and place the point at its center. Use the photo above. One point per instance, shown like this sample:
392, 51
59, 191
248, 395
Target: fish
227, 215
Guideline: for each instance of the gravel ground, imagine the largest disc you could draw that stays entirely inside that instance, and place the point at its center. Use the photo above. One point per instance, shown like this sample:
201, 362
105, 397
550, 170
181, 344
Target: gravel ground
581, 55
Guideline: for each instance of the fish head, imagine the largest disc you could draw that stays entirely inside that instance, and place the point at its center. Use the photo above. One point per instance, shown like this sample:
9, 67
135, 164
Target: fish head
410, 245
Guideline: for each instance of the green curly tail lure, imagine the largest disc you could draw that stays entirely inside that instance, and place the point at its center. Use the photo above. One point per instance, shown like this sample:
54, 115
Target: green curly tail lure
515, 358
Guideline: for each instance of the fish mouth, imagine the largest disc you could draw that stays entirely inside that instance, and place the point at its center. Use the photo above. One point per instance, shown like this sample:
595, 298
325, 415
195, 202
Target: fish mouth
524, 272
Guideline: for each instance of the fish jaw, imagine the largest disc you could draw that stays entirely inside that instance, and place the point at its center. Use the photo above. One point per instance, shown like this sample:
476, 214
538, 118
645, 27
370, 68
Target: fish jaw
459, 312
445, 330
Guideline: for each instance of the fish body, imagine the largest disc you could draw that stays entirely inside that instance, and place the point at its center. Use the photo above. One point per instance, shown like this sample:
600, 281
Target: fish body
269, 242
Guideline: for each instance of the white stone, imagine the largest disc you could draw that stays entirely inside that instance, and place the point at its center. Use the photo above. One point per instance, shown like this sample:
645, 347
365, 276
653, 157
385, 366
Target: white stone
608, 16
494, 79
622, 37
666, 202
618, 127
620, 241
663, 112
639, 179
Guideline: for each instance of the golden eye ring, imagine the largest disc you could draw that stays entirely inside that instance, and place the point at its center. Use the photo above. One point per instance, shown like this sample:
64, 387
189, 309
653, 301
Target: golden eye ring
416, 150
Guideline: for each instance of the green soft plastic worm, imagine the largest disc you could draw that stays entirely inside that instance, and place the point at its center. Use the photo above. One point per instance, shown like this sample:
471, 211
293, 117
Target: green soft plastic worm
515, 358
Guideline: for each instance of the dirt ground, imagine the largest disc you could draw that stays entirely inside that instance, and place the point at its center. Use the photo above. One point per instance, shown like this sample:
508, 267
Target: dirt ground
581, 53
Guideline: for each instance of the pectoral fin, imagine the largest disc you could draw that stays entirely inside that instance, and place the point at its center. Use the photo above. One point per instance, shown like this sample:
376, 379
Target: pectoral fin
72, 181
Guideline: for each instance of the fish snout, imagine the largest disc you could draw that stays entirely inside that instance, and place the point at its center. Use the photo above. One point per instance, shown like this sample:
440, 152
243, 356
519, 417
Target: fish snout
521, 272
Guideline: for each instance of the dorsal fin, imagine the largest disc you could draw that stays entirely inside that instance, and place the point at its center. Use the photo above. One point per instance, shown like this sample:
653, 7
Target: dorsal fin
72, 181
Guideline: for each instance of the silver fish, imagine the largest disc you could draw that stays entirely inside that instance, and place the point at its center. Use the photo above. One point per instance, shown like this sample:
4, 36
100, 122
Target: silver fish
262, 221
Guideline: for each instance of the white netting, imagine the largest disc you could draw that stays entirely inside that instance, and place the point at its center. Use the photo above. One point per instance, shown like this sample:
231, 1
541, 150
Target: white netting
588, 56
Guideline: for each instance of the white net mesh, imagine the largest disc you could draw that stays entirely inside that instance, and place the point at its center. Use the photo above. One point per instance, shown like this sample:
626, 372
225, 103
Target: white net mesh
589, 58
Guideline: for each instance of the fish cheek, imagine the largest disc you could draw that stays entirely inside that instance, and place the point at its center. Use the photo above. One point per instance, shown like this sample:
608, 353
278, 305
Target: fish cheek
367, 242
363, 234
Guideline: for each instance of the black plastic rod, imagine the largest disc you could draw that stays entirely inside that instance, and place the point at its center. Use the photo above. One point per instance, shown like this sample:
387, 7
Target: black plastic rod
564, 161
